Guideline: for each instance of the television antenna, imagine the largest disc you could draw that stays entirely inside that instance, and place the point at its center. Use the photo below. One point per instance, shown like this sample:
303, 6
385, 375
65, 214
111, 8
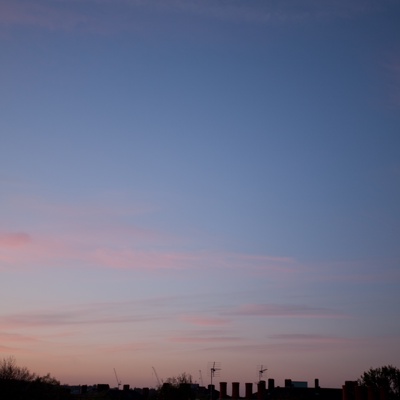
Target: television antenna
261, 371
214, 368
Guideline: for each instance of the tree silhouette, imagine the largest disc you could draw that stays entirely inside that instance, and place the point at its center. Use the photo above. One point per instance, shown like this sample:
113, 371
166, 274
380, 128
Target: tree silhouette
386, 377
177, 388
9, 370
180, 379
19, 383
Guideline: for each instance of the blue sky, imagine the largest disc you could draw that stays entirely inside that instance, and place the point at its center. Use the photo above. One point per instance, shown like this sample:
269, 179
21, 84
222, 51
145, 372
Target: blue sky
193, 181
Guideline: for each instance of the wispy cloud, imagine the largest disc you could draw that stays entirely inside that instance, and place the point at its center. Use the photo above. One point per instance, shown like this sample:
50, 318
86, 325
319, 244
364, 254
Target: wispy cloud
121, 15
273, 12
11, 350
84, 315
147, 260
22, 250
281, 348
308, 337
204, 339
12, 239
279, 344
116, 250
16, 337
153, 259
204, 321
41, 14
128, 347
284, 310
356, 271
94, 235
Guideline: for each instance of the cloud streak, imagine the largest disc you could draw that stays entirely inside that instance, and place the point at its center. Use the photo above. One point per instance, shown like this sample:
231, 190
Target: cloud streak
86, 315
97, 239
40, 14
204, 339
284, 310
12, 240
307, 337
16, 338
286, 347
204, 321
105, 16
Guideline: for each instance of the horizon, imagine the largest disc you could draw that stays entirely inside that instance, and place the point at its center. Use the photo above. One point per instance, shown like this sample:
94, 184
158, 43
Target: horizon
213, 366
185, 181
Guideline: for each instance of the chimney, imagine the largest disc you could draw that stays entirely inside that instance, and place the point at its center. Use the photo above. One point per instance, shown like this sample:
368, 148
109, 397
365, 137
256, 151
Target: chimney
249, 391
222, 390
271, 384
235, 390
211, 389
261, 390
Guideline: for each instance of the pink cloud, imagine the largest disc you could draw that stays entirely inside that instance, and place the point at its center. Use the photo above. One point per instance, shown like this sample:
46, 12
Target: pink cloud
63, 318
71, 321
94, 236
16, 337
19, 250
124, 248
204, 339
129, 347
205, 321
9, 341
14, 239
10, 350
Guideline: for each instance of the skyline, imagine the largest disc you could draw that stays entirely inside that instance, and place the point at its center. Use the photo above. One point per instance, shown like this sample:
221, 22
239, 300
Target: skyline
185, 182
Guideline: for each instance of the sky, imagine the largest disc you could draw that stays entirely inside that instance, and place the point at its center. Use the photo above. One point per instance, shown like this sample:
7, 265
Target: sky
185, 182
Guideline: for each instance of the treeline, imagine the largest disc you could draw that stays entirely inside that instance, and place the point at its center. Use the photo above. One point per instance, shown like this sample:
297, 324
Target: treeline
19, 383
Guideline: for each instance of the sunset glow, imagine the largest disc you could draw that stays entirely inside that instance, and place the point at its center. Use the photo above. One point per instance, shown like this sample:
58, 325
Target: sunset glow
193, 181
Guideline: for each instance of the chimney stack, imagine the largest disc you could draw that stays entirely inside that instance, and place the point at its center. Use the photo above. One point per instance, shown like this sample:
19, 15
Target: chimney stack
261, 390
222, 390
235, 390
271, 384
249, 391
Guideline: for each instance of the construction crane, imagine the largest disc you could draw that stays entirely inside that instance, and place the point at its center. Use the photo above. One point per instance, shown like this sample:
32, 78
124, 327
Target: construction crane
116, 377
158, 379
201, 378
